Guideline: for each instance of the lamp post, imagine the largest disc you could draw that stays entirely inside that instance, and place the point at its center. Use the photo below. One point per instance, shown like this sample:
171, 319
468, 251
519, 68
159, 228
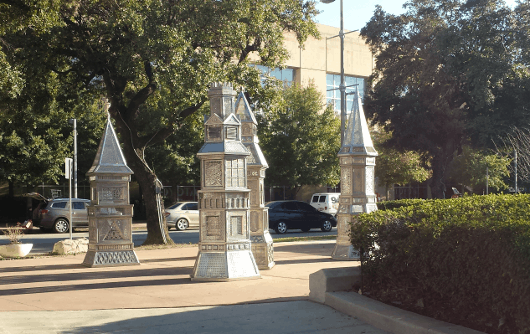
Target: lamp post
73, 121
342, 86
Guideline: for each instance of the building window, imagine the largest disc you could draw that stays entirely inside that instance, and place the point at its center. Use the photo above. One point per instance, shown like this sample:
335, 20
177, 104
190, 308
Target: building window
333, 92
286, 75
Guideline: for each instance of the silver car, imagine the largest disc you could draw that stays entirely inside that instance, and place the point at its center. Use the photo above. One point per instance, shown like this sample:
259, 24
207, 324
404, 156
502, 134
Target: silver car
55, 214
183, 215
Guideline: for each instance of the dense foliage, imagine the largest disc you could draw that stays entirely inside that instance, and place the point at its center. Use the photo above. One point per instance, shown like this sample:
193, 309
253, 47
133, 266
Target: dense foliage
300, 142
154, 61
464, 260
449, 73
397, 166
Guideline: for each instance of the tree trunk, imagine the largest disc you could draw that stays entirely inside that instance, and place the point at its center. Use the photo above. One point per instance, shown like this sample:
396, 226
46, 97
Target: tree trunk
151, 187
440, 163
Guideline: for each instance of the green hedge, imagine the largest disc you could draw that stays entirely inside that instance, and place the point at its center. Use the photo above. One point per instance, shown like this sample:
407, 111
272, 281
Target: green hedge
466, 260
391, 205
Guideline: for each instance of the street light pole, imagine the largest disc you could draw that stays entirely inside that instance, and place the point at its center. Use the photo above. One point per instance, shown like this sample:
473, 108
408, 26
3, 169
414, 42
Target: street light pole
73, 122
342, 86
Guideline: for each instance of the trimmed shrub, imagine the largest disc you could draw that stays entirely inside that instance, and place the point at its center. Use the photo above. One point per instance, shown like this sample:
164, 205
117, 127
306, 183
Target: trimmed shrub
391, 205
464, 260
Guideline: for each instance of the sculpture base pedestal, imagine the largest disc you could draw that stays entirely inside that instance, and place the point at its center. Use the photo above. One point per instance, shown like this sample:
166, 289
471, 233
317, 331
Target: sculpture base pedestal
225, 266
345, 251
95, 258
263, 250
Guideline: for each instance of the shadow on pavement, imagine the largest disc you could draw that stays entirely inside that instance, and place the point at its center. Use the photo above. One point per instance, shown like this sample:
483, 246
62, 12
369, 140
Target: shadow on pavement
94, 286
91, 275
279, 317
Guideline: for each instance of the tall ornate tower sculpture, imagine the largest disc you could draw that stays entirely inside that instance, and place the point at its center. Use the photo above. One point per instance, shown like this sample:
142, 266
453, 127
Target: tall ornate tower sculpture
110, 214
357, 163
224, 199
262, 245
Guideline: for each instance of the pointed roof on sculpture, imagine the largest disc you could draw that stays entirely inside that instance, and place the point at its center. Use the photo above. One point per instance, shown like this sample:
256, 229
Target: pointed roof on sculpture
109, 157
357, 140
249, 130
243, 110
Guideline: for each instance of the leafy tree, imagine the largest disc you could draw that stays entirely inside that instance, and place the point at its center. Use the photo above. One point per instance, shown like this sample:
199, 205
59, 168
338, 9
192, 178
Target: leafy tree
473, 169
35, 136
155, 61
300, 142
396, 167
447, 72
175, 161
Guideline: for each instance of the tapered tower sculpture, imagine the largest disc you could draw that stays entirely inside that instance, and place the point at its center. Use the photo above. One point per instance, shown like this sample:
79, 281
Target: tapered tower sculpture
262, 245
357, 180
224, 199
110, 214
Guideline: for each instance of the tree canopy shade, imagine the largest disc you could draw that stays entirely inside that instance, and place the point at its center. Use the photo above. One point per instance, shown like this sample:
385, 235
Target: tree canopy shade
300, 142
447, 72
154, 61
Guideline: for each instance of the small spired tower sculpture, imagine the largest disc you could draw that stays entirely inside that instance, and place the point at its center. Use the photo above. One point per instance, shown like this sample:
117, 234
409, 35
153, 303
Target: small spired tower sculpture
262, 245
110, 214
224, 199
357, 163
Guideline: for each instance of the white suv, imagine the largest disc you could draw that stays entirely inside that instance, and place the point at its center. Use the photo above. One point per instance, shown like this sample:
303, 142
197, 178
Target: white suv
326, 202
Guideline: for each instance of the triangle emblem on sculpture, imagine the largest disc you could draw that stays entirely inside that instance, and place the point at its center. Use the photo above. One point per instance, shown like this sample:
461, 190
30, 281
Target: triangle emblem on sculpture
357, 139
109, 157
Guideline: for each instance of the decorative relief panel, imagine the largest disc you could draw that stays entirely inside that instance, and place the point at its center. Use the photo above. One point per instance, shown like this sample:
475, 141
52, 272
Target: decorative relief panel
345, 160
356, 208
236, 226
213, 171
111, 193
214, 227
346, 180
370, 160
358, 160
247, 129
228, 105
254, 221
106, 258
370, 180
358, 181
212, 265
115, 232
215, 106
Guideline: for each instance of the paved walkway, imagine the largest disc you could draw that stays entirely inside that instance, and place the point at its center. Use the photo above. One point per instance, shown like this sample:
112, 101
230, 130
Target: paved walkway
59, 295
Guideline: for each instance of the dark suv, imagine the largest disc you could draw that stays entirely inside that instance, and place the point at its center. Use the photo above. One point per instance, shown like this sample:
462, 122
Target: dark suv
54, 214
284, 215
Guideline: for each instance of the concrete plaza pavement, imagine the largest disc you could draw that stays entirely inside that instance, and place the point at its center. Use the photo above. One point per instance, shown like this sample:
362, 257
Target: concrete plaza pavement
56, 294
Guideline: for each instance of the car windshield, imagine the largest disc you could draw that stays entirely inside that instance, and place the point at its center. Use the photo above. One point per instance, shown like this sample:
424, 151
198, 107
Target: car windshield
176, 205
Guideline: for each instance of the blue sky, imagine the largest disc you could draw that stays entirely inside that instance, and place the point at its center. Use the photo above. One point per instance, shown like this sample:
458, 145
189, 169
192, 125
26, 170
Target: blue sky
358, 12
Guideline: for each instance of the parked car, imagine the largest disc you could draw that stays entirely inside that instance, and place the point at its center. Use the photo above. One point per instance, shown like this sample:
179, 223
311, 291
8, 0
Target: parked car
183, 215
326, 202
53, 214
284, 215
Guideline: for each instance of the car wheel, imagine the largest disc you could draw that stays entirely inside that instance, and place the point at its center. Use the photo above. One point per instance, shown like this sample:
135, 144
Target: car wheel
281, 228
182, 224
305, 229
61, 225
326, 226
